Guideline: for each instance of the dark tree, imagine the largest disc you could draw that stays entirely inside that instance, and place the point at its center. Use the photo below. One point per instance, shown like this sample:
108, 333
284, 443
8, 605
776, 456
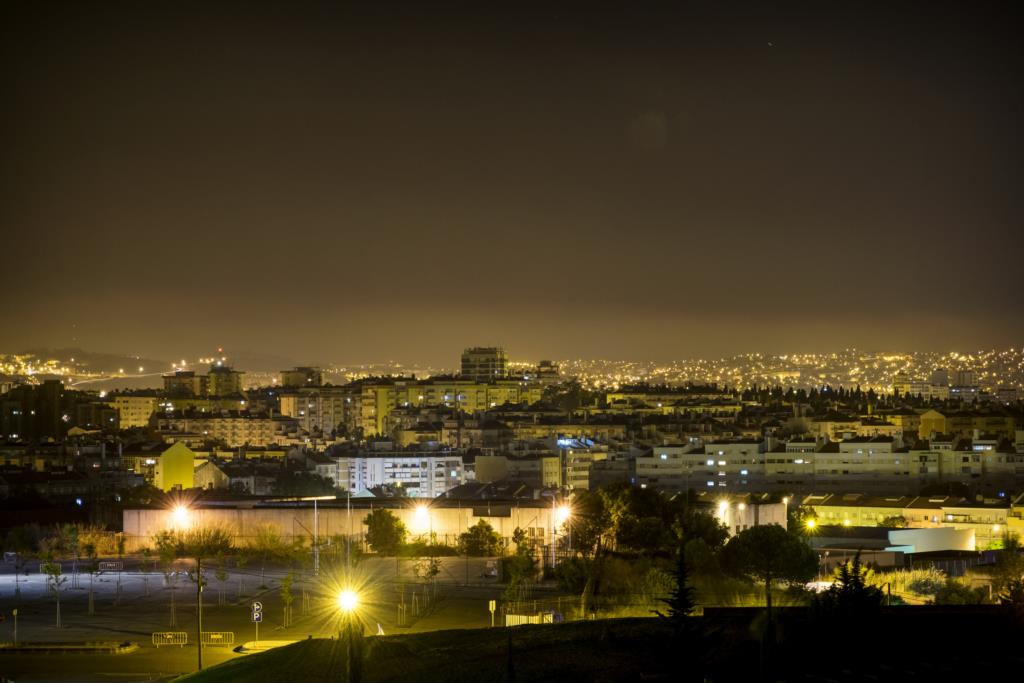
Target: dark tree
769, 553
299, 483
850, 597
385, 533
681, 601
480, 540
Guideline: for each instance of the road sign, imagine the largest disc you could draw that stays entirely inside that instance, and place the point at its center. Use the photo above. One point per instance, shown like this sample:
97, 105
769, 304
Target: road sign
257, 617
492, 605
112, 566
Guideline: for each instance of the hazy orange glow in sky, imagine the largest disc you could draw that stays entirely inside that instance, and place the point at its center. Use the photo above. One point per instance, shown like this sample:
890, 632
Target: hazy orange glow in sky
400, 181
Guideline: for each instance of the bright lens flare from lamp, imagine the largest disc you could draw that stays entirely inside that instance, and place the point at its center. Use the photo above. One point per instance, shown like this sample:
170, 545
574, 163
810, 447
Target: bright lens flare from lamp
562, 513
421, 519
347, 600
810, 524
180, 515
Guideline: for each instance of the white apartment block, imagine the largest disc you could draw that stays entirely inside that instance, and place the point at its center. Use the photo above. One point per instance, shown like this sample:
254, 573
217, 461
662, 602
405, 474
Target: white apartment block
421, 474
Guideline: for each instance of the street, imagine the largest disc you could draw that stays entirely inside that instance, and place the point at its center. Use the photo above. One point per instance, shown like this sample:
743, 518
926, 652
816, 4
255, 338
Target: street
144, 607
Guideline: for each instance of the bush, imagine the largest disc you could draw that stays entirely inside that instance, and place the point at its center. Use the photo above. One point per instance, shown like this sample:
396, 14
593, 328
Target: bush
424, 549
572, 574
700, 558
954, 592
924, 583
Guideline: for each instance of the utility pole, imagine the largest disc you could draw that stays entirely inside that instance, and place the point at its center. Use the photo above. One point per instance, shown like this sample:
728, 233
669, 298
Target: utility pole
348, 536
199, 610
316, 540
554, 531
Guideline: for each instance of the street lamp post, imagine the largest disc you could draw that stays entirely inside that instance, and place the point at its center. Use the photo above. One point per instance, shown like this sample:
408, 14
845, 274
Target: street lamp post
554, 533
199, 610
347, 603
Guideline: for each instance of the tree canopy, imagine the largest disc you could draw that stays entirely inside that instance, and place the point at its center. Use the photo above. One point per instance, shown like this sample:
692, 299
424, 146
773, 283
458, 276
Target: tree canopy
480, 540
385, 532
301, 483
769, 553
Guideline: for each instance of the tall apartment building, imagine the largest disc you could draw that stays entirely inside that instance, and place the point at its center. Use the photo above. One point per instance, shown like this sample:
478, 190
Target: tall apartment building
134, 410
302, 376
369, 402
221, 380
484, 364
578, 459
548, 373
320, 409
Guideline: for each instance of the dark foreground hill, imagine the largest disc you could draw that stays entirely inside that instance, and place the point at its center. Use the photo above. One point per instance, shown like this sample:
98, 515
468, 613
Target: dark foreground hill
898, 643
615, 650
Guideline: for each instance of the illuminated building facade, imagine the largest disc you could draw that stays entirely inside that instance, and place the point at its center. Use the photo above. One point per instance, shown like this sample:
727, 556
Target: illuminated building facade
484, 364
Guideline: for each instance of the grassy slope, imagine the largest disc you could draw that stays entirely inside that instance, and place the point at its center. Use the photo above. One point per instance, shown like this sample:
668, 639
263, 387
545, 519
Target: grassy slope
584, 651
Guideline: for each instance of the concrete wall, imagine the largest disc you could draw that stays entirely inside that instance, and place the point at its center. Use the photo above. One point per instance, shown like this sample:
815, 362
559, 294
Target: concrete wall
244, 523
929, 540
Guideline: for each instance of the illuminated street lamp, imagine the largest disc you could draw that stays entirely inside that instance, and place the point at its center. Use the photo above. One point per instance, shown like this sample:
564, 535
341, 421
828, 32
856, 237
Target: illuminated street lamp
810, 524
348, 603
562, 514
421, 520
182, 516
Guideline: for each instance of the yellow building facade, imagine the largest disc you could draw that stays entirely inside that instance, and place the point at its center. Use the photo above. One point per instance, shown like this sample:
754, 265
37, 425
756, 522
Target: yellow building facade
175, 468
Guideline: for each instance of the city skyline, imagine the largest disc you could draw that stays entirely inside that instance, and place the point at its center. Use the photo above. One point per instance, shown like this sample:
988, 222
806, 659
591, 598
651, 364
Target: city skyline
990, 370
655, 183
476, 341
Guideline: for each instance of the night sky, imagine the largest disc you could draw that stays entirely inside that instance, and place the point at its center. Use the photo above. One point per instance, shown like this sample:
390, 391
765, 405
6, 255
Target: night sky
333, 183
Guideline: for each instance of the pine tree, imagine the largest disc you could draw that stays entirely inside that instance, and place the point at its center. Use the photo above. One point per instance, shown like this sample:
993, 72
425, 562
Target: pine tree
680, 602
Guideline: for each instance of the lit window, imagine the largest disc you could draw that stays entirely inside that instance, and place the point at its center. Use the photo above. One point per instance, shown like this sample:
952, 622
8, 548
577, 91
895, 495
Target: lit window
664, 456
711, 463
